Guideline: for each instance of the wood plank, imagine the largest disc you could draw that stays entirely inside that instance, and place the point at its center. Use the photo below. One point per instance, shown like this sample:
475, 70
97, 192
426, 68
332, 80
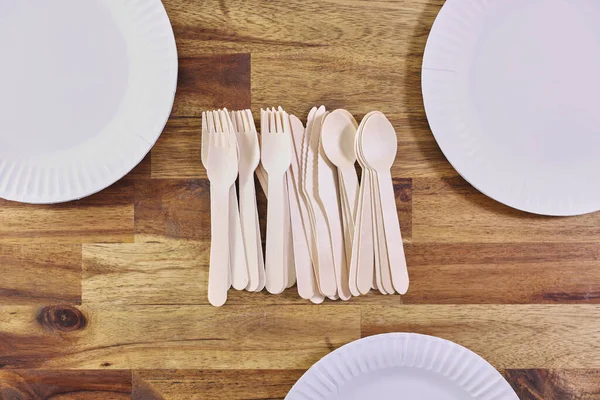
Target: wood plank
418, 153
218, 384
536, 384
237, 26
450, 210
508, 336
105, 217
506, 273
403, 192
38, 274
177, 154
146, 273
163, 337
212, 81
142, 170
172, 273
168, 209
65, 384
205, 82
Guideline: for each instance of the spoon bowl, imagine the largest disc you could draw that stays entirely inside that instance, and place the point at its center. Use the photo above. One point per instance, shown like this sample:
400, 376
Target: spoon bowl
379, 145
338, 136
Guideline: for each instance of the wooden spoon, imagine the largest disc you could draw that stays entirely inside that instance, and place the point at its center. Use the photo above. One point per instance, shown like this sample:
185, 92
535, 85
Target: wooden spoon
338, 137
378, 145
329, 199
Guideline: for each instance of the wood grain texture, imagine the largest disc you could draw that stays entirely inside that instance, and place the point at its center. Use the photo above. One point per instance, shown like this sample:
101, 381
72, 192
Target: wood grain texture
508, 336
106, 297
181, 336
172, 273
104, 217
212, 81
477, 218
143, 170
503, 273
40, 274
177, 154
218, 384
172, 209
542, 384
65, 385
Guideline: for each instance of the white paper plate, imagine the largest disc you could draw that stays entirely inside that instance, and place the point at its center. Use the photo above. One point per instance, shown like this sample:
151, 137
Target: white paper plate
86, 88
512, 94
404, 366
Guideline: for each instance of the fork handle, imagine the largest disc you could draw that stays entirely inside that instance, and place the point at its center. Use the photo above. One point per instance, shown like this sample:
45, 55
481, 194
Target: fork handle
237, 252
275, 246
218, 280
252, 243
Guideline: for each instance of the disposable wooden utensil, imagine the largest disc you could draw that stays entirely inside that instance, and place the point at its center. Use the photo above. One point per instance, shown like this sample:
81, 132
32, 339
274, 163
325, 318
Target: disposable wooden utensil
290, 270
362, 266
338, 136
249, 159
378, 145
301, 141
382, 265
261, 261
304, 244
382, 280
222, 170
237, 259
305, 280
261, 174
329, 198
276, 159
326, 270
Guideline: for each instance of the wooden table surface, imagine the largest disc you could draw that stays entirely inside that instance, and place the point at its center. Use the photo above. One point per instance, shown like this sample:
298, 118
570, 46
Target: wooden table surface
105, 298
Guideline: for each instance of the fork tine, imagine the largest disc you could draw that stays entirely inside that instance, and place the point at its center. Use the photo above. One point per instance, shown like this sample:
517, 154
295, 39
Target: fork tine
238, 121
272, 127
278, 123
205, 140
228, 128
210, 122
250, 119
239, 127
218, 126
264, 121
224, 123
242, 116
231, 115
286, 122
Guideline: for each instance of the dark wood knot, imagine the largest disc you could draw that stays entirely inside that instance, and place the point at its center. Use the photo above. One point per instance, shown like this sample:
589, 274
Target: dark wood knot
62, 318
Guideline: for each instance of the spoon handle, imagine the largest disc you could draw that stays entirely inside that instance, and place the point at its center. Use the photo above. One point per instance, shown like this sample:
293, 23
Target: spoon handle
393, 235
362, 246
218, 276
275, 247
350, 187
379, 243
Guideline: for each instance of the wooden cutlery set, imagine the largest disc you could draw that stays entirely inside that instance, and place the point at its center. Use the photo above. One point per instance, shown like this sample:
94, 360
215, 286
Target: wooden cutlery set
326, 233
